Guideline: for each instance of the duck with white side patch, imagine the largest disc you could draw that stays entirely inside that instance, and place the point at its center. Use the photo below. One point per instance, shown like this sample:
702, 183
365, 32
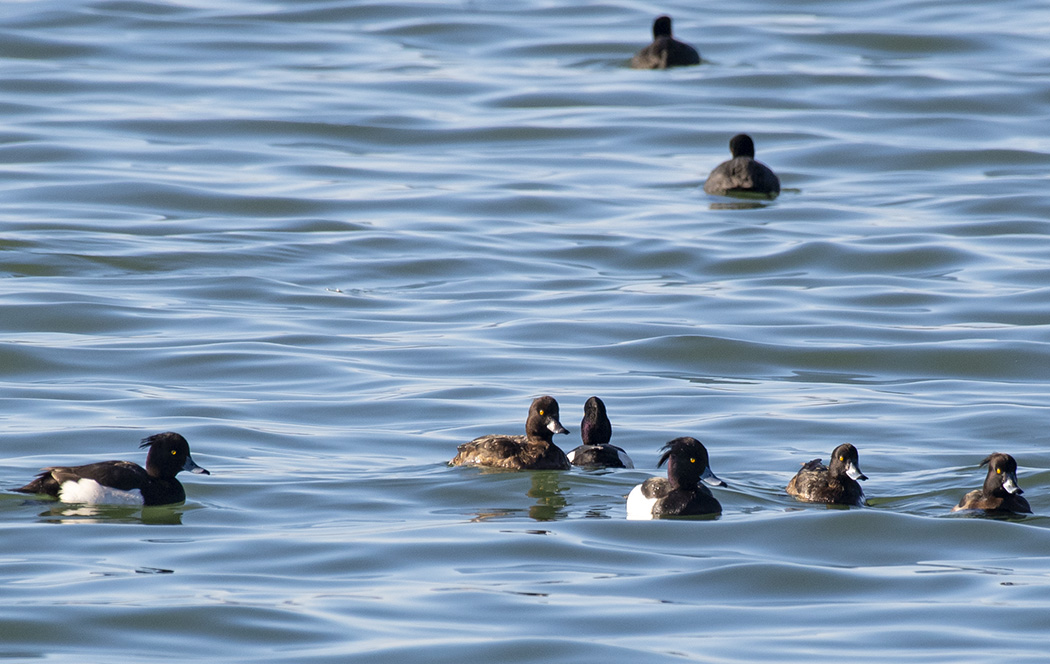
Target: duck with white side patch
123, 482
681, 493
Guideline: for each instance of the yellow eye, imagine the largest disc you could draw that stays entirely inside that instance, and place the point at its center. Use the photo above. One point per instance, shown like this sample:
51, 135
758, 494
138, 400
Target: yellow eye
842, 458
998, 471
692, 460
541, 412
174, 452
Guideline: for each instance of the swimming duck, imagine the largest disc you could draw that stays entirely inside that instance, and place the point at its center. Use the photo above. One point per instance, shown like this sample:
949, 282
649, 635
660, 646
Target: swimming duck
665, 51
742, 176
1000, 492
596, 430
123, 482
837, 483
681, 493
533, 451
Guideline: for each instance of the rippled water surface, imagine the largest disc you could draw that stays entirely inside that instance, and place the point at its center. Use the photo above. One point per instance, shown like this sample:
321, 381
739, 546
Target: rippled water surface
329, 241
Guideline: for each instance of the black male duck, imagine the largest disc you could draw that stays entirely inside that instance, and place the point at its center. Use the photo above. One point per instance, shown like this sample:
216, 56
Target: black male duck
123, 482
596, 431
680, 493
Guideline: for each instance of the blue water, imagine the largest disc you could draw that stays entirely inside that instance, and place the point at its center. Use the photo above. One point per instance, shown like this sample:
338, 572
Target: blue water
330, 241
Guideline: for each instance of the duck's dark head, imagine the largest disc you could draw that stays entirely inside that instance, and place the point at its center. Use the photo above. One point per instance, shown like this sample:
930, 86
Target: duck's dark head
543, 419
169, 454
595, 428
741, 145
688, 463
1002, 474
846, 459
662, 27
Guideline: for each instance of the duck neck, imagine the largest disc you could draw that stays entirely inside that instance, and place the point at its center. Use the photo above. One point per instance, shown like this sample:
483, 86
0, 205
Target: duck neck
536, 432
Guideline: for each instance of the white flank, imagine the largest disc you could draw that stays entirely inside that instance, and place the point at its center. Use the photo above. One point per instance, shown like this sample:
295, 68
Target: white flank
638, 506
572, 456
90, 492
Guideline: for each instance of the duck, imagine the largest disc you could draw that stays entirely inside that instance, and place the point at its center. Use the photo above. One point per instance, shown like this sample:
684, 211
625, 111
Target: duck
743, 176
665, 51
123, 482
1000, 492
834, 484
595, 431
681, 493
533, 451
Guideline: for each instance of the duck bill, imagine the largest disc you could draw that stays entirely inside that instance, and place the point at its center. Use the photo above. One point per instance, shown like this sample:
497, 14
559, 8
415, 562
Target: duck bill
853, 471
1010, 484
555, 426
708, 477
192, 466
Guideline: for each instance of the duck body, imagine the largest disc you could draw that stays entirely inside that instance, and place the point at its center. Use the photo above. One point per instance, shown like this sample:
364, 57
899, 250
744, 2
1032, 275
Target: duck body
596, 431
1000, 492
743, 175
533, 451
665, 51
123, 482
681, 493
832, 484
600, 456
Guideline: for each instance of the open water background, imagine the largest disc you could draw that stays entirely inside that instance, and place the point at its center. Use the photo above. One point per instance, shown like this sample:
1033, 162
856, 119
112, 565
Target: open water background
329, 241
